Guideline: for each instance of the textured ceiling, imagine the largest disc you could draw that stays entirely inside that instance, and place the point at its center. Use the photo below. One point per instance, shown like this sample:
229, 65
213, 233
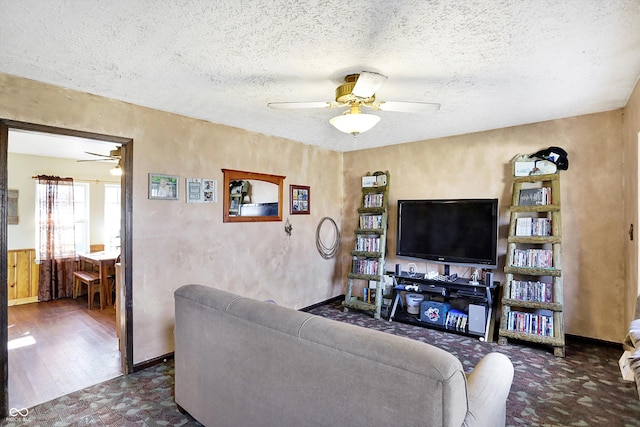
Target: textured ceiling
489, 63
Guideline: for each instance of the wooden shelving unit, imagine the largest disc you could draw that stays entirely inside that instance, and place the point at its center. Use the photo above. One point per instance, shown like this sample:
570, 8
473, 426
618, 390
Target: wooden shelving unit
532, 303
369, 250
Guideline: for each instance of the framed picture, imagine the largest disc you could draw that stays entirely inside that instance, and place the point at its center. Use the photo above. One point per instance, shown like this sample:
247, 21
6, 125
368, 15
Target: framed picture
12, 198
300, 199
163, 187
201, 190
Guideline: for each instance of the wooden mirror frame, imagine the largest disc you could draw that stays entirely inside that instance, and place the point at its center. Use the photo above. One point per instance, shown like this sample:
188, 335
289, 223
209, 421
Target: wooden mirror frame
235, 175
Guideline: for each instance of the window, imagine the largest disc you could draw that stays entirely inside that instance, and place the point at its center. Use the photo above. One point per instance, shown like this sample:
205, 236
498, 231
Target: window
69, 244
112, 217
81, 216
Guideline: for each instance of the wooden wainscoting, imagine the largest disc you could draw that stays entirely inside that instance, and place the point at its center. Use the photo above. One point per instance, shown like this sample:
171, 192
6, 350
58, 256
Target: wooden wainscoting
22, 277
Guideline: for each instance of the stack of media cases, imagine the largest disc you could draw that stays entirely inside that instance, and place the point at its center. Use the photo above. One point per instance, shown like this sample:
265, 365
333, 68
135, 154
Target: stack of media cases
531, 291
371, 222
538, 258
528, 226
531, 323
367, 243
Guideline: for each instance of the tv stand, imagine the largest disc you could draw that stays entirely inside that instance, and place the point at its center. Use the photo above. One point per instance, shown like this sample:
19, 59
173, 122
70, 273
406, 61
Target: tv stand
475, 301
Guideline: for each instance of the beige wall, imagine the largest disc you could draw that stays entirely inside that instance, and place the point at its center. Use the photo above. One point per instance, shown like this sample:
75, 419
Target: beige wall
630, 134
22, 168
479, 166
175, 243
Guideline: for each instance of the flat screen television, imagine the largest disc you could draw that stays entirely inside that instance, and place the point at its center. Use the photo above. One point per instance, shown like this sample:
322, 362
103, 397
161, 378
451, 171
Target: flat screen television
457, 231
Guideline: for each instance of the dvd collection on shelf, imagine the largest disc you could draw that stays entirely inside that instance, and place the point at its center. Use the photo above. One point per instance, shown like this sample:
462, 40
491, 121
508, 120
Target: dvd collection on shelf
456, 319
535, 196
373, 200
365, 266
367, 244
532, 258
531, 323
531, 291
528, 226
371, 222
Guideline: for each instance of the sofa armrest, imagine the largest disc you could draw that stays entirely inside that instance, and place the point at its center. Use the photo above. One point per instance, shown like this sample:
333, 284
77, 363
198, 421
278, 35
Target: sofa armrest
631, 341
488, 389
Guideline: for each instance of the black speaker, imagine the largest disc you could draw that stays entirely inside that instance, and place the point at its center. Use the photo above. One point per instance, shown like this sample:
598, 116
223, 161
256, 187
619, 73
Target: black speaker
488, 278
397, 269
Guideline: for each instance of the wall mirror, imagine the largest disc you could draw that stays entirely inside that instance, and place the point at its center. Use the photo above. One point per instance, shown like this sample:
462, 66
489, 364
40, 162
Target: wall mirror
251, 197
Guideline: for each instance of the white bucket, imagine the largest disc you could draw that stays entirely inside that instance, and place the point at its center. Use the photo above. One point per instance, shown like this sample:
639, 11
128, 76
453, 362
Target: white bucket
413, 303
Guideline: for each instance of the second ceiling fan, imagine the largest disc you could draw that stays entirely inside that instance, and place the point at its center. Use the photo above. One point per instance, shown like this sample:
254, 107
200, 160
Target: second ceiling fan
357, 92
113, 156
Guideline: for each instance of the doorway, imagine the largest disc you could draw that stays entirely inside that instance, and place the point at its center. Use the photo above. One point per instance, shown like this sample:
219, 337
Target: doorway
125, 295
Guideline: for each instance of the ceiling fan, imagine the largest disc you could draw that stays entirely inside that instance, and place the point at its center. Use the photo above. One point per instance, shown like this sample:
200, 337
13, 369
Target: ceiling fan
113, 156
357, 92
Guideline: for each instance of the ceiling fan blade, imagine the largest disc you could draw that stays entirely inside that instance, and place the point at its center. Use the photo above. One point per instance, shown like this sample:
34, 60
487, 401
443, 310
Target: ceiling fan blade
406, 107
367, 84
99, 155
299, 105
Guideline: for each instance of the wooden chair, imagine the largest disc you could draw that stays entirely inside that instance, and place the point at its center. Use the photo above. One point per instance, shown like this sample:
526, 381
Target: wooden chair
87, 275
96, 248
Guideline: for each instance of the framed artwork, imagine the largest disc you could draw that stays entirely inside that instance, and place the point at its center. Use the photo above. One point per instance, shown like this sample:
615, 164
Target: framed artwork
12, 198
201, 190
300, 199
163, 187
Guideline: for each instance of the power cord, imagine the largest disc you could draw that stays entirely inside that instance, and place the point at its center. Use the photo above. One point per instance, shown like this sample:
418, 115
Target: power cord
327, 252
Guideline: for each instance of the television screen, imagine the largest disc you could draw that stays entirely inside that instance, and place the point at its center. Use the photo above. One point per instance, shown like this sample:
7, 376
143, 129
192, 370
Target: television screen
461, 231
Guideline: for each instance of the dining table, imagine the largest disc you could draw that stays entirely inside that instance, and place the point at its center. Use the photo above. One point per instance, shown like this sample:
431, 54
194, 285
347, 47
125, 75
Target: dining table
104, 262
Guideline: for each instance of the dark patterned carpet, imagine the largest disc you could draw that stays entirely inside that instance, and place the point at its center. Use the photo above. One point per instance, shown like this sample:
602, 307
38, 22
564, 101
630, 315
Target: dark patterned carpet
583, 389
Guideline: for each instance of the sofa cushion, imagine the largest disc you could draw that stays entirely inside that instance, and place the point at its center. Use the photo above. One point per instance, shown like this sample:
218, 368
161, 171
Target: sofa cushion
634, 365
634, 333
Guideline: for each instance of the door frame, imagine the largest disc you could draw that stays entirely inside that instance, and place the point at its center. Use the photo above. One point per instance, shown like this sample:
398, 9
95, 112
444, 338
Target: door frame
126, 225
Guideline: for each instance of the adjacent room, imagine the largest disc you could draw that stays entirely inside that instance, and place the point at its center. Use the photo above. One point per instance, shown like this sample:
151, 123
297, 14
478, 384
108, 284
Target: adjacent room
49, 305
254, 139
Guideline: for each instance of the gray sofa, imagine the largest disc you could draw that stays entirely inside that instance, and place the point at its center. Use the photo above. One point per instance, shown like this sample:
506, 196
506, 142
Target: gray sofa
241, 362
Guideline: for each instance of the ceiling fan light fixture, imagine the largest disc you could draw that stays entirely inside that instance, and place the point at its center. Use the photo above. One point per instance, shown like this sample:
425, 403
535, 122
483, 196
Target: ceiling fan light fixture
116, 170
354, 122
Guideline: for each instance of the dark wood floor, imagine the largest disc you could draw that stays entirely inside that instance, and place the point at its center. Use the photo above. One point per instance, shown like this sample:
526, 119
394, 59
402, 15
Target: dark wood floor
58, 347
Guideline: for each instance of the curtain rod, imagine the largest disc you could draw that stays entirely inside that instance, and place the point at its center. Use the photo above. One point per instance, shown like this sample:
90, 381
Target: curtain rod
96, 181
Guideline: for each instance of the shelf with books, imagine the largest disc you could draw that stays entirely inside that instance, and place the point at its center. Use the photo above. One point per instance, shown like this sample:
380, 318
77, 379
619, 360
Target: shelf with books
367, 244
530, 323
370, 221
531, 294
370, 244
528, 226
528, 290
532, 304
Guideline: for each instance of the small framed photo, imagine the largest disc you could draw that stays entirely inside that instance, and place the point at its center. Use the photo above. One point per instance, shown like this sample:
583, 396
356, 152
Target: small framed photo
201, 190
300, 199
163, 187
